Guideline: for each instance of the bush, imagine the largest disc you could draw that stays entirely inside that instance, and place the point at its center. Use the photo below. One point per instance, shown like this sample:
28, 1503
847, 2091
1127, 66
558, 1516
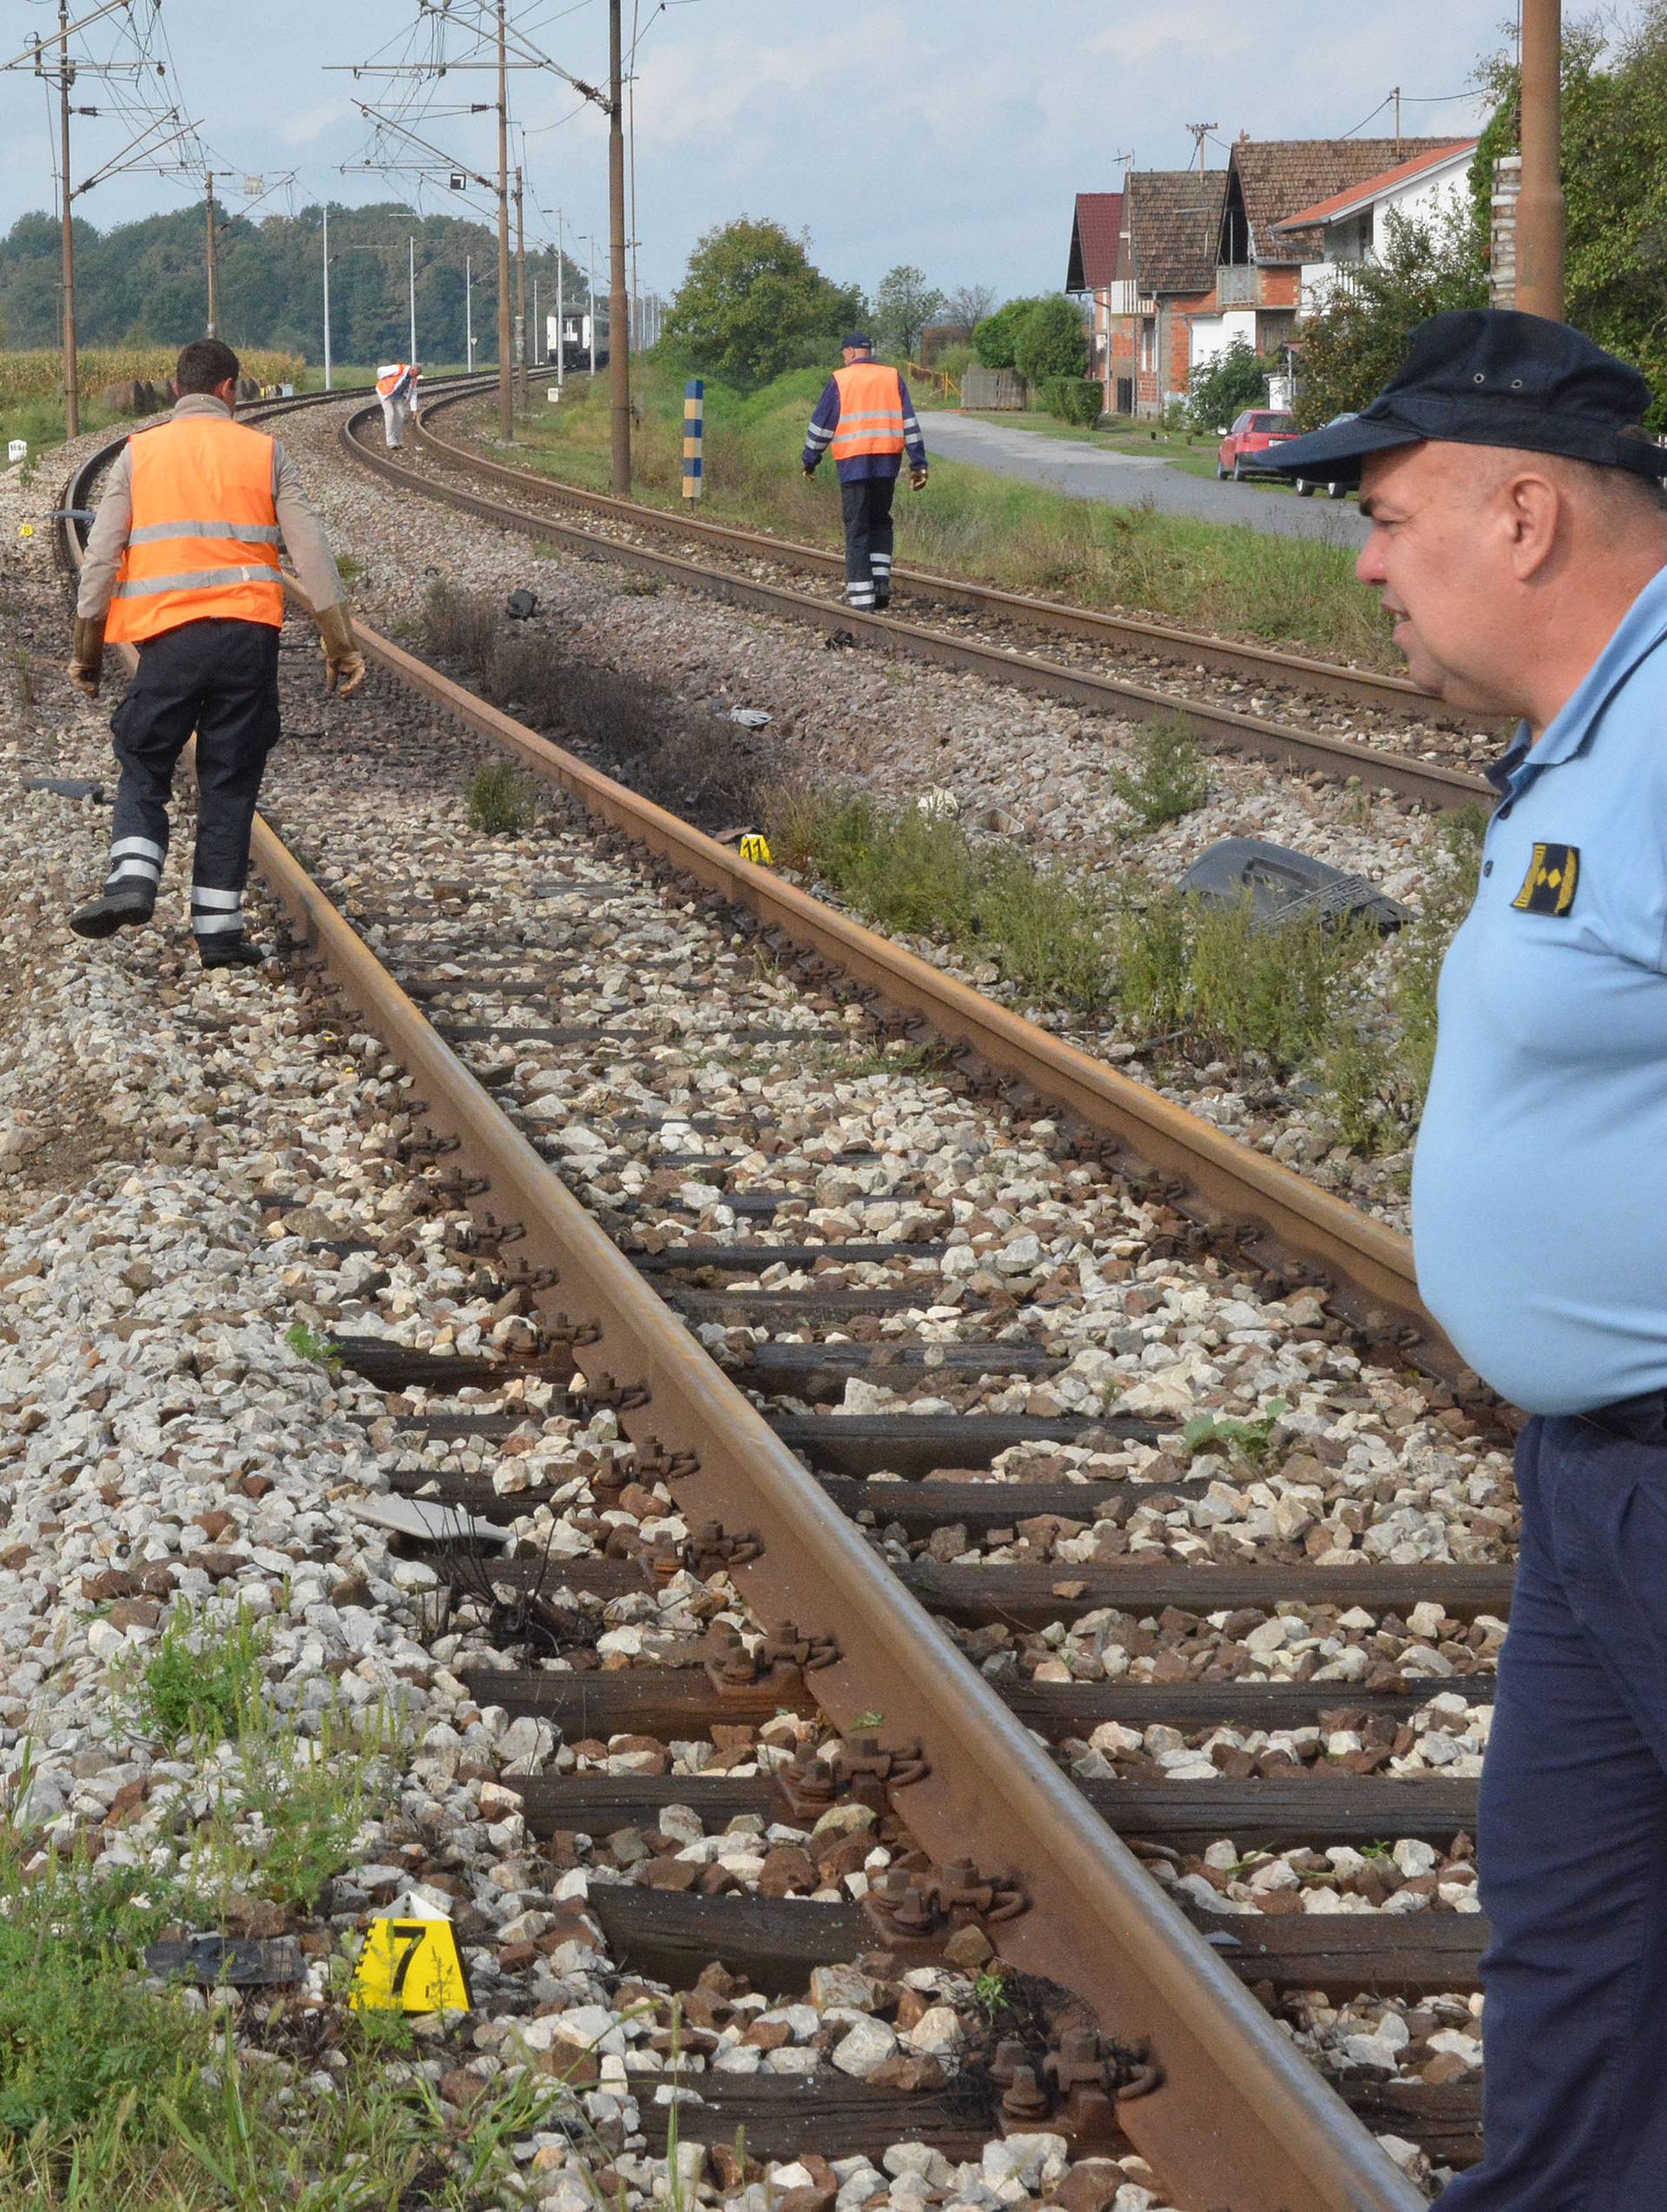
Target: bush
1080, 400
1050, 339
1235, 380
995, 338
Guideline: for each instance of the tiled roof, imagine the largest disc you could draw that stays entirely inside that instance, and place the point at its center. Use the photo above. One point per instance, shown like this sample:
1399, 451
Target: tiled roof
1355, 197
1094, 242
1280, 176
1175, 219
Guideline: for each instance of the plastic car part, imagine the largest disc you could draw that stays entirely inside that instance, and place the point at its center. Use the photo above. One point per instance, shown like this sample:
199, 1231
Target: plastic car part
1285, 886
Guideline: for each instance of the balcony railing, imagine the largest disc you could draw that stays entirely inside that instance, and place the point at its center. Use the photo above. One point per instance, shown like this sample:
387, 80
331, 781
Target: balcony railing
1235, 284
1124, 298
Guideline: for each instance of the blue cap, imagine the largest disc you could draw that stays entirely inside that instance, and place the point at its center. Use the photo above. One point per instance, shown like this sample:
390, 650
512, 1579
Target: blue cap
1490, 376
857, 338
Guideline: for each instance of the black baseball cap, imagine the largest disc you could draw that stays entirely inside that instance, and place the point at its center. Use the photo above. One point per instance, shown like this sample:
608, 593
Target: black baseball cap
1490, 376
857, 338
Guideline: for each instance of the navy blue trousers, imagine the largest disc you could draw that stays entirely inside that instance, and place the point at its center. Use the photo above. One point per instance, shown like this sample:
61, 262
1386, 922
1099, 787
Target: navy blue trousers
219, 678
1572, 1836
866, 506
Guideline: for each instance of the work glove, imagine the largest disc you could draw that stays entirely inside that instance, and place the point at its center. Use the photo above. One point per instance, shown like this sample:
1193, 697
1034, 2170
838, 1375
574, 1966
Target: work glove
344, 663
917, 480
87, 654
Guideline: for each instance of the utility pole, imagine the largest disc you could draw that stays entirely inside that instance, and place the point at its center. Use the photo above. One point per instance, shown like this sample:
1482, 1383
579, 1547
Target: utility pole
520, 293
213, 254
411, 282
535, 328
561, 305
505, 388
469, 309
327, 385
619, 328
71, 363
1395, 96
1539, 203
1200, 132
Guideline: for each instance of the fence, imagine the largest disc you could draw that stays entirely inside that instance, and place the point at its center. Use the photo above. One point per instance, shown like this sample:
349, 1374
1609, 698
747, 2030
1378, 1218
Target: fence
1003, 391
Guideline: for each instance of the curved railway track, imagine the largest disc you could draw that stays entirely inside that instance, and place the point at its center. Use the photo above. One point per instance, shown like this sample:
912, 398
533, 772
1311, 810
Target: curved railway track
842, 1567
537, 502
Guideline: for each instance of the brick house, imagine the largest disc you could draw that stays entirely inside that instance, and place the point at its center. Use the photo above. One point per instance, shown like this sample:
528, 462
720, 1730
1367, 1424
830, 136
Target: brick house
1263, 253
1161, 273
1352, 226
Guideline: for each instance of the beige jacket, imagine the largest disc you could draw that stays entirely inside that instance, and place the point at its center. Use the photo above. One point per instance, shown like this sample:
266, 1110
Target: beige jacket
304, 539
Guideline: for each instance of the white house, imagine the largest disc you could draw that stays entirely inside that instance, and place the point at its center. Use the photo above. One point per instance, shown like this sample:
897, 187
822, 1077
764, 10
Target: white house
1352, 226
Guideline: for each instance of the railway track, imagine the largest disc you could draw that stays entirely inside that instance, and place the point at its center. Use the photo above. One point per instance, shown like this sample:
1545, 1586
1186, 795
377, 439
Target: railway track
734, 557
906, 1564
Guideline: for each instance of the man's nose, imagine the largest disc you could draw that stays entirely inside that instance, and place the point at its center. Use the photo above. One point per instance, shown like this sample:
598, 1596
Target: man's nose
1368, 568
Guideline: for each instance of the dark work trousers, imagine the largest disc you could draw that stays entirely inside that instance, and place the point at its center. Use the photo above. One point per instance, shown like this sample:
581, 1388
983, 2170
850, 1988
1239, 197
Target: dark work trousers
220, 679
867, 506
1572, 1833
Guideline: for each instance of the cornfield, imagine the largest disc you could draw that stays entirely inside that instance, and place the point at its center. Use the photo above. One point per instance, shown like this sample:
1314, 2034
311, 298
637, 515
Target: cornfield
25, 377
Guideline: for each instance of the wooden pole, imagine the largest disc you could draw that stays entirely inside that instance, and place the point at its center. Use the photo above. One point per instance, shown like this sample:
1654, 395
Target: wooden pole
1540, 217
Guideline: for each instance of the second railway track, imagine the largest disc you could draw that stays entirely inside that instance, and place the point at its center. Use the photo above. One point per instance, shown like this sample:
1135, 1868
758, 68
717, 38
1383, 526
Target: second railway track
1180, 672
635, 1083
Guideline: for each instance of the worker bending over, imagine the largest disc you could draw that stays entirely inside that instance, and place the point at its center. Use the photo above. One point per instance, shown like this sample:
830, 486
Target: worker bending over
866, 419
182, 563
396, 388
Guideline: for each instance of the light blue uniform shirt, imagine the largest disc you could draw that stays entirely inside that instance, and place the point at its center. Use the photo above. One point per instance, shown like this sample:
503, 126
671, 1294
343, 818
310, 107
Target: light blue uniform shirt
1539, 1184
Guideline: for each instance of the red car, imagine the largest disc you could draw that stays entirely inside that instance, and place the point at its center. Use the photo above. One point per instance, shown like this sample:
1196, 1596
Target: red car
1242, 448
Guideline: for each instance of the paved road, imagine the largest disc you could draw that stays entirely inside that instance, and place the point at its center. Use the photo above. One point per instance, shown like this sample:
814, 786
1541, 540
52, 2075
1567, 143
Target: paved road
1094, 472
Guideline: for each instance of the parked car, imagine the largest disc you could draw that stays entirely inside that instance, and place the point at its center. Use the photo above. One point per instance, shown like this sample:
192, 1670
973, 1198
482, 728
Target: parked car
1307, 486
1243, 449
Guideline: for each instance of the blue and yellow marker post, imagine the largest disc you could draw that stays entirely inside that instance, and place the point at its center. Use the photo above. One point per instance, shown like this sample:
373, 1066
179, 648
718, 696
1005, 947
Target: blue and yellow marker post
694, 435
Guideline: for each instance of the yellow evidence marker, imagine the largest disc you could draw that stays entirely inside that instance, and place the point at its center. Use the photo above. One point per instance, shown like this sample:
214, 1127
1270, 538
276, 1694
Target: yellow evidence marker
754, 847
410, 1963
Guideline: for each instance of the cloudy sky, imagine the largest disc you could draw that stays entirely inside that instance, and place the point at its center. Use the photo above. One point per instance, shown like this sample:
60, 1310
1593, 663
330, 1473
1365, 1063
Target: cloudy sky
948, 132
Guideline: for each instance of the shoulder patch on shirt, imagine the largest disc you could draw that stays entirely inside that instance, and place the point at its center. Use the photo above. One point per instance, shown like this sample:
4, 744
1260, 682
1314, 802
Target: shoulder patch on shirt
1549, 886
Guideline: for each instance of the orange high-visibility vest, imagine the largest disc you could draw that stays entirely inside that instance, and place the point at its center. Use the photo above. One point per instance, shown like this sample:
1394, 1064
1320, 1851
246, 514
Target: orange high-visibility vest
871, 410
390, 378
204, 539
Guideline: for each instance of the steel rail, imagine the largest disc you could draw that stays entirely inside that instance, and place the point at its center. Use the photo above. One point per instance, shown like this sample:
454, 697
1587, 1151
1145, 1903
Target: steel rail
1240, 2117
1223, 727
1120, 632
1236, 1185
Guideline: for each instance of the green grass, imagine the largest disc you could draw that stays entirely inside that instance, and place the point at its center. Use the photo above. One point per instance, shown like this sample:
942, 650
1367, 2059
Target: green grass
203, 1678
1297, 592
309, 1344
1046, 932
1169, 778
502, 803
40, 421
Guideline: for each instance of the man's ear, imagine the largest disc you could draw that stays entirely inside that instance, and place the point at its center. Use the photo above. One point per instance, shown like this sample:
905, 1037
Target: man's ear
1534, 508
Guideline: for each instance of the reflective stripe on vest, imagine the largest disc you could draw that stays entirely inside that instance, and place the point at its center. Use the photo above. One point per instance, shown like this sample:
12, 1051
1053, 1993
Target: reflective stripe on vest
871, 410
203, 543
388, 380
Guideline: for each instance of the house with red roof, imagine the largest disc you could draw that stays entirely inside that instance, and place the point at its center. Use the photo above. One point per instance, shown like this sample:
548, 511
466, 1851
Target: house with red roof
1351, 227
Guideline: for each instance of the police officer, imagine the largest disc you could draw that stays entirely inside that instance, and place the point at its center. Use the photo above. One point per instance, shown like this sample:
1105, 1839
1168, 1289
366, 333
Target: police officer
396, 388
182, 562
1519, 539
865, 418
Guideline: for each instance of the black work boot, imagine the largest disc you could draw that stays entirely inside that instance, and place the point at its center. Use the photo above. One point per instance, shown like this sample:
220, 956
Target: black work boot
230, 952
121, 907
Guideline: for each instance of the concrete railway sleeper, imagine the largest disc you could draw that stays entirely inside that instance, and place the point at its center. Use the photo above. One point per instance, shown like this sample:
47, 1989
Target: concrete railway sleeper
1211, 2092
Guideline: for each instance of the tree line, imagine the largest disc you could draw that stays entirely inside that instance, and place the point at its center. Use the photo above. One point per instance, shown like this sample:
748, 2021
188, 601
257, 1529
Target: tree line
146, 282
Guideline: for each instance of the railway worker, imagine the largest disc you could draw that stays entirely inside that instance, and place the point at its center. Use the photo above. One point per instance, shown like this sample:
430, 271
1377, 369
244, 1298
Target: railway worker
182, 562
1519, 539
396, 388
866, 419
